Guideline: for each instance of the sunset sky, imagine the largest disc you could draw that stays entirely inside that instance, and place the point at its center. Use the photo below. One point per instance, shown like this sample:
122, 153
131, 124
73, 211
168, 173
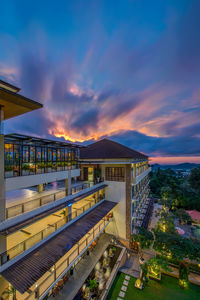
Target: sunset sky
127, 70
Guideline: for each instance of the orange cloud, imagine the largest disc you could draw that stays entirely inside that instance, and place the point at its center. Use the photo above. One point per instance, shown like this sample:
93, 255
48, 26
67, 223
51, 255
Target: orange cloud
175, 160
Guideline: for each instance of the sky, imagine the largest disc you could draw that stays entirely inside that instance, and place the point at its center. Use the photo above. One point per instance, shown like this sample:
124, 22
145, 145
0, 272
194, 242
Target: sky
126, 70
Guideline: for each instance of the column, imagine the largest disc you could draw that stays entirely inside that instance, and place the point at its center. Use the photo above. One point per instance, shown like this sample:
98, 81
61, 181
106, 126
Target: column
68, 213
2, 180
2, 184
68, 184
40, 188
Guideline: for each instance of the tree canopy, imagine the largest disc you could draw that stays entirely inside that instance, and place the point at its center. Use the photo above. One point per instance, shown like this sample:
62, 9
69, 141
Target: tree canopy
176, 191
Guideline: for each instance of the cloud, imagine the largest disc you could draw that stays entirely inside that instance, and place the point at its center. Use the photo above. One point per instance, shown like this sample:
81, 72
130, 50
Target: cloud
140, 89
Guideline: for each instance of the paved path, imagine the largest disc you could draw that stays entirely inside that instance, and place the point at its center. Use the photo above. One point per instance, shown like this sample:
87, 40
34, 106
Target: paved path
83, 269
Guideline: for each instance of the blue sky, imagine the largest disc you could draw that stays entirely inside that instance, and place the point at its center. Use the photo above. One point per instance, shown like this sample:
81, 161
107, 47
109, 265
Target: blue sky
127, 70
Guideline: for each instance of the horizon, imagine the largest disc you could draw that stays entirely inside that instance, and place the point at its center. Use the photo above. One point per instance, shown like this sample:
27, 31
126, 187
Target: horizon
131, 76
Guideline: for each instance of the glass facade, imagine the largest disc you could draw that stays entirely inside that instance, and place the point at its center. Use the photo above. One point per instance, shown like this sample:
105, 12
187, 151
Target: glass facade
28, 156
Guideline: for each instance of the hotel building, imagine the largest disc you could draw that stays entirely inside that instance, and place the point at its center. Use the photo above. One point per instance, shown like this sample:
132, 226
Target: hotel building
99, 192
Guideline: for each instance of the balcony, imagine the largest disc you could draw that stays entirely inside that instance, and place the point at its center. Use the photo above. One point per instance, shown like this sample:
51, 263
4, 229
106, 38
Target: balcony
25, 236
58, 254
141, 176
38, 201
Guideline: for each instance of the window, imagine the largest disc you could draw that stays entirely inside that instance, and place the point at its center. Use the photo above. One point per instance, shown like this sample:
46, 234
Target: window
115, 174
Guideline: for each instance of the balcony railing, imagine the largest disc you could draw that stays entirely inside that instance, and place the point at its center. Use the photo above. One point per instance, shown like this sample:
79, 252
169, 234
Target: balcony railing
21, 208
141, 176
59, 270
36, 238
39, 168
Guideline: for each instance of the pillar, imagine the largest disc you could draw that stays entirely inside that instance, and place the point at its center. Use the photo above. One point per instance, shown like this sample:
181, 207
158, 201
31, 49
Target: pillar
2, 184
68, 184
40, 188
2, 180
128, 201
68, 212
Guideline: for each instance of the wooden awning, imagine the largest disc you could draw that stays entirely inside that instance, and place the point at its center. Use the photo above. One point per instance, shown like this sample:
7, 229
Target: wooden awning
24, 273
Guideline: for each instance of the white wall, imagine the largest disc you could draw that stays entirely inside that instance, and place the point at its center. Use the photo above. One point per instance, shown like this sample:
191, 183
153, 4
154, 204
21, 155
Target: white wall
21, 182
116, 192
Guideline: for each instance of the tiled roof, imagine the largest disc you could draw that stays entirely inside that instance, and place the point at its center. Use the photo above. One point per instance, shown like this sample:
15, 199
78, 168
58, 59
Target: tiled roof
194, 214
24, 273
109, 149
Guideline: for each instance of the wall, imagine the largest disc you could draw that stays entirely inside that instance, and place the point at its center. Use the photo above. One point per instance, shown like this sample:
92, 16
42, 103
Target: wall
2, 181
116, 192
20, 182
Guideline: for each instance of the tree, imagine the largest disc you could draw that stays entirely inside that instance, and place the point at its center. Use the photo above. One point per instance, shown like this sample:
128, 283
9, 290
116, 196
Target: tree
166, 221
143, 237
153, 267
182, 215
176, 247
183, 274
194, 179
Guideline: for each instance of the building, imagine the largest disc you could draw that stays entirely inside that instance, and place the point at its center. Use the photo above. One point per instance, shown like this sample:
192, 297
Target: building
100, 192
125, 171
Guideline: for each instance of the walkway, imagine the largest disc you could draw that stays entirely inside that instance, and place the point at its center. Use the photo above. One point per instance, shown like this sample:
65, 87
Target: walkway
83, 269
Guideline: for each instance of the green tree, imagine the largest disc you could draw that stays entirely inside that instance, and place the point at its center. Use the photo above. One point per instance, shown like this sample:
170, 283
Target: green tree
194, 179
182, 215
143, 237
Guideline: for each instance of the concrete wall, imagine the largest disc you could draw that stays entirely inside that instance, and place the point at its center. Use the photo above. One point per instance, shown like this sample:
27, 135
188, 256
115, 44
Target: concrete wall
2, 181
116, 192
20, 182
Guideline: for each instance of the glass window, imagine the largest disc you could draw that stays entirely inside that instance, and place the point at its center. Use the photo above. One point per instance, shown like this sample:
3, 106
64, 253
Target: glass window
115, 174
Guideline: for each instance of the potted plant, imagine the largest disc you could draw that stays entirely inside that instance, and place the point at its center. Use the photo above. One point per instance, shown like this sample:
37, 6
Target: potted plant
49, 167
10, 291
25, 169
8, 171
97, 173
92, 284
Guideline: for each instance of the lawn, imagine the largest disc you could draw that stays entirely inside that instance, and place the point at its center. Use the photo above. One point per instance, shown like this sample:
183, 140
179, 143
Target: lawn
167, 289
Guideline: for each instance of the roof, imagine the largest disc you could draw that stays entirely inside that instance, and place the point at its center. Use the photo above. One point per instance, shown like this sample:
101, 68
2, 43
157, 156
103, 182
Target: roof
26, 139
109, 149
42, 214
24, 273
9, 86
14, 104
194, 214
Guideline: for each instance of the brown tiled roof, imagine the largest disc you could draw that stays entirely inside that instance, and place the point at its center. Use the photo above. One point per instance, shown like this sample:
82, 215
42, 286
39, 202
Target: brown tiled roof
109, 149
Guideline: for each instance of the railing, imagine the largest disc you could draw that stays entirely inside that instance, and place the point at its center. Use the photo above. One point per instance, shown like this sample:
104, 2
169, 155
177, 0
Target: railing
21, 208
39, 168
36, 238
59, 270
137, 195
138, 178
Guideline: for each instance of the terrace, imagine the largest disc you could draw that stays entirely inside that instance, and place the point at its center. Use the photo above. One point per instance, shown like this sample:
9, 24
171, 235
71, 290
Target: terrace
58, 254
39, 199
26, 155
25, 234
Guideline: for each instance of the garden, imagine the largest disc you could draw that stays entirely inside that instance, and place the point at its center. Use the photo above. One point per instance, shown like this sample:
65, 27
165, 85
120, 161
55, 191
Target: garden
166, 289
95, 284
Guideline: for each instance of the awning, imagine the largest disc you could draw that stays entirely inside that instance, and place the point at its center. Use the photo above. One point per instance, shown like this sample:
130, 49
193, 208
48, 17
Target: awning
41, 215
24, 273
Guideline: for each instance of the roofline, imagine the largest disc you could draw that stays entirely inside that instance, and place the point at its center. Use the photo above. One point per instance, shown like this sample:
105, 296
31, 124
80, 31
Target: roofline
10, 85
21, 137
23, 98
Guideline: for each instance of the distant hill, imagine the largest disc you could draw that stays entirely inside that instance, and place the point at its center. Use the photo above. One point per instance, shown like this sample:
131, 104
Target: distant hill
183, 166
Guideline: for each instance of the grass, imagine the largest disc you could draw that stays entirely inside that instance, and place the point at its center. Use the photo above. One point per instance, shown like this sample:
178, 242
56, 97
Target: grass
166, 289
